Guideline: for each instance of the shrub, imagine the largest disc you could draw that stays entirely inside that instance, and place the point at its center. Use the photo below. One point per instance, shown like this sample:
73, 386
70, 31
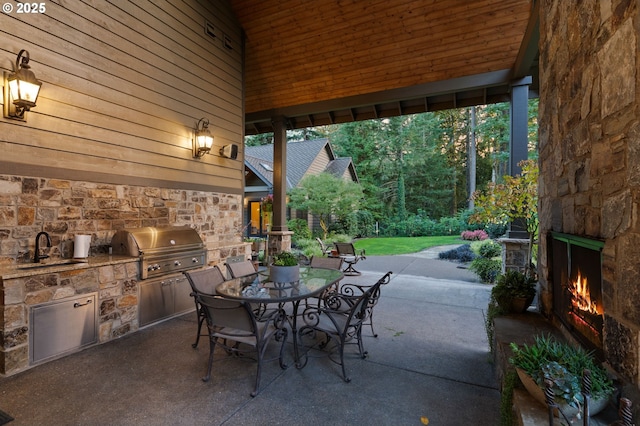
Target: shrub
285, 258
300, 229
487, 269
490, 249
477, 235
460, 254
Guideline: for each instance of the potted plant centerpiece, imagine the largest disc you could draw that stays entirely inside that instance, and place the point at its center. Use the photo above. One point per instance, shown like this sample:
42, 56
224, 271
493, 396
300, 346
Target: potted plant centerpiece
284, 268
514, 291
564, 365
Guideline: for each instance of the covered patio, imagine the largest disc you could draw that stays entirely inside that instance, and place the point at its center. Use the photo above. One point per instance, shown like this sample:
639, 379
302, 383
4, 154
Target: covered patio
110, 143
415, 369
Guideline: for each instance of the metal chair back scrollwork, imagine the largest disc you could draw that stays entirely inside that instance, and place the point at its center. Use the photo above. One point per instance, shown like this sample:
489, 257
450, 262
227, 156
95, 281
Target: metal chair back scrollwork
235, 321
356, 289
339, 318
203, 281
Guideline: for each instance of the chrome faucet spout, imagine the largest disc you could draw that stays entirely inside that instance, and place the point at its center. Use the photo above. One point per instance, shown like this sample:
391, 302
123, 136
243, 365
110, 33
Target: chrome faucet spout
37, 256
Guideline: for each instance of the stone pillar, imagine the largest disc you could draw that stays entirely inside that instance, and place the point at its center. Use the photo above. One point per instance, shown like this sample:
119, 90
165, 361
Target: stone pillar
279, 241
514, 254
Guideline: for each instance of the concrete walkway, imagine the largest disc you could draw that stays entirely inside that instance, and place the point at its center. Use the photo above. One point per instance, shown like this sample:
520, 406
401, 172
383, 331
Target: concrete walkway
431, 359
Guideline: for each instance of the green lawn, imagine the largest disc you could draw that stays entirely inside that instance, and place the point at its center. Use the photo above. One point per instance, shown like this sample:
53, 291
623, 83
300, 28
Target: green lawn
403, 245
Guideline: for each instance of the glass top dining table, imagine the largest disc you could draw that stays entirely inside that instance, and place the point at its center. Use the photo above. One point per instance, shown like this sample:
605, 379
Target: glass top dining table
257, 288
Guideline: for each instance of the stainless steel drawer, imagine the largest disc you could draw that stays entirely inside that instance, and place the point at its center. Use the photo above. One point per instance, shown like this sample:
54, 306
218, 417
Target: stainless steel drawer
62, 327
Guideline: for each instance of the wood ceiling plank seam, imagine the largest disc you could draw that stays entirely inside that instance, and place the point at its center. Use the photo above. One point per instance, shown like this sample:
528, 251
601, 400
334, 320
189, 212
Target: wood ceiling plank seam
509, 35
304, 96
381, 11
452, 23
390, 57
433, 66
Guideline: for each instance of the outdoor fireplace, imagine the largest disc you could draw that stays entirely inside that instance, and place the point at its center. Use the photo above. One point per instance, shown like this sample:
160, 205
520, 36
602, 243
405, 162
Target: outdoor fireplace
576, 272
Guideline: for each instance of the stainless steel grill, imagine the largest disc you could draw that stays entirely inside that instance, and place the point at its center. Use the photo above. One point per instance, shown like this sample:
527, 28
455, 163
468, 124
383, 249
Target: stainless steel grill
161, 251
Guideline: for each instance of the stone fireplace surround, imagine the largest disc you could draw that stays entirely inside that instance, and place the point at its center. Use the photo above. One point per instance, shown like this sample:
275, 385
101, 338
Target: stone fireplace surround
589, 156
64, 208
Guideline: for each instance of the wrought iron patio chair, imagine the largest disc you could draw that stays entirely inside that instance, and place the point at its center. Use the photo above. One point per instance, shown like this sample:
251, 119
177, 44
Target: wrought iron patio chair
325, 262
243, 269
357, 289
349, 255
339, 318
203, 281
230, 320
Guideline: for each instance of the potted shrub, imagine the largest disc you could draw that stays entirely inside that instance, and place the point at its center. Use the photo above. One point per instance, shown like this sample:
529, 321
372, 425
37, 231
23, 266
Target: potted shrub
514, 291
284, 268
564, 365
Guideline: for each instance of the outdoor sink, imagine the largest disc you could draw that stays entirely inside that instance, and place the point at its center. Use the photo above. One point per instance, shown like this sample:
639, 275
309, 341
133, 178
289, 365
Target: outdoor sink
51, 263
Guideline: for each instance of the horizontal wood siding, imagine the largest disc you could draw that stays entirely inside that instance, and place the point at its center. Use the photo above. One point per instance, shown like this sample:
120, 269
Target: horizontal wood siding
124, 83
296, 54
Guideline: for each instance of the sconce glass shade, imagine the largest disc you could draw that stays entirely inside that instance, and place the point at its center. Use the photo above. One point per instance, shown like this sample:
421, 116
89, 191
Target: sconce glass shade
203, 140
23, 88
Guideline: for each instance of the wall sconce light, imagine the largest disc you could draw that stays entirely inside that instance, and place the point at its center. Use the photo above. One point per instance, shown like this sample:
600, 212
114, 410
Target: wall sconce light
229, 151
21, 88
203, 140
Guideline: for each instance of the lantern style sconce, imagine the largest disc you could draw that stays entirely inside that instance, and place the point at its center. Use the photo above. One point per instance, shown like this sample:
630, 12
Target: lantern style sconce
21, 88
202, 140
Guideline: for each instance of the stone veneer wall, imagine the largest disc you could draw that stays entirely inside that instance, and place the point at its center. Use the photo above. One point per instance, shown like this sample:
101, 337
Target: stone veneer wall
117, 289
590, 153
64, 208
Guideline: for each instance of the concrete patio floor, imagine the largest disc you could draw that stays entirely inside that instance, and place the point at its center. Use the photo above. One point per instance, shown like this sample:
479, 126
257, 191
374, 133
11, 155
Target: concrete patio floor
431, 359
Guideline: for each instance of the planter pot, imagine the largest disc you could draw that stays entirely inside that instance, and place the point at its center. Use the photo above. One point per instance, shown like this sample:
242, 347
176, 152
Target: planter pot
515, 305
284, 274
595, 405
257, 246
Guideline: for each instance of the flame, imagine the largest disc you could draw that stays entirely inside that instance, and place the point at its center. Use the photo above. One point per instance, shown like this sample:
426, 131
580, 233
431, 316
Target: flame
581, 297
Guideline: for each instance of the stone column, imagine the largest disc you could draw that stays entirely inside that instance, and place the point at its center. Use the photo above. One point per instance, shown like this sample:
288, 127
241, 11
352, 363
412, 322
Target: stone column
514, 254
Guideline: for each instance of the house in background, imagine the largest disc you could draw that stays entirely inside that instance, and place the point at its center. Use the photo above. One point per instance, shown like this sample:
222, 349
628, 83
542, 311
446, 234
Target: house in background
303, 158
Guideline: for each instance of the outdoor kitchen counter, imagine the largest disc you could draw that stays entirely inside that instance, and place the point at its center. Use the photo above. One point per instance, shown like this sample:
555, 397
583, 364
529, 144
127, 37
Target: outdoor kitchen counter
61, 265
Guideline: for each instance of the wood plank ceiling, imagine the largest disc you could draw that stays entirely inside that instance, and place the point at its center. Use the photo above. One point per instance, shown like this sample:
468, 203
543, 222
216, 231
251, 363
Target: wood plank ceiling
330, 61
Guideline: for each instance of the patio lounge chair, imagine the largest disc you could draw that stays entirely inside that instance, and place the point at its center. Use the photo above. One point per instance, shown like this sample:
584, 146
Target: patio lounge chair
348, 254
203, 281
325, 250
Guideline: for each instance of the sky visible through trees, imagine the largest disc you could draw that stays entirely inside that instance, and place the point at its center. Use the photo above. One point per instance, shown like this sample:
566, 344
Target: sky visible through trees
419, 164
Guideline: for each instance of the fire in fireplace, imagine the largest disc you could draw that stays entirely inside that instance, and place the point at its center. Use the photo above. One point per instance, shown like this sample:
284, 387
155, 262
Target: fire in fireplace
576, 269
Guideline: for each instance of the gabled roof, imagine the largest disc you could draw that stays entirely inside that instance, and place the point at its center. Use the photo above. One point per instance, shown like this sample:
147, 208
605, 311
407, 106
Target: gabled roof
301, 156
340, 166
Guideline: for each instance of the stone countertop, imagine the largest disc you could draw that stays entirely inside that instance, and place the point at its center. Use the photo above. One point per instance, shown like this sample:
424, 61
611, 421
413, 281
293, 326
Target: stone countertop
60, 265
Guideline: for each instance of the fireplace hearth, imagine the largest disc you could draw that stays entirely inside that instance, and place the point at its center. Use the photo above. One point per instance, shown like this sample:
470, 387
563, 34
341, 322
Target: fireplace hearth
576, 273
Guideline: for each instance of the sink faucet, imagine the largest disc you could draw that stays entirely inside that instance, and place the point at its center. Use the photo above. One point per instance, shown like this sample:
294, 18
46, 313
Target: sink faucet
37, 257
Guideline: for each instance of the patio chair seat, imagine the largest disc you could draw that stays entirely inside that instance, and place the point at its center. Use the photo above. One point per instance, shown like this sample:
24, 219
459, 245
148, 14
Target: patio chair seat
234, 321
339, 317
